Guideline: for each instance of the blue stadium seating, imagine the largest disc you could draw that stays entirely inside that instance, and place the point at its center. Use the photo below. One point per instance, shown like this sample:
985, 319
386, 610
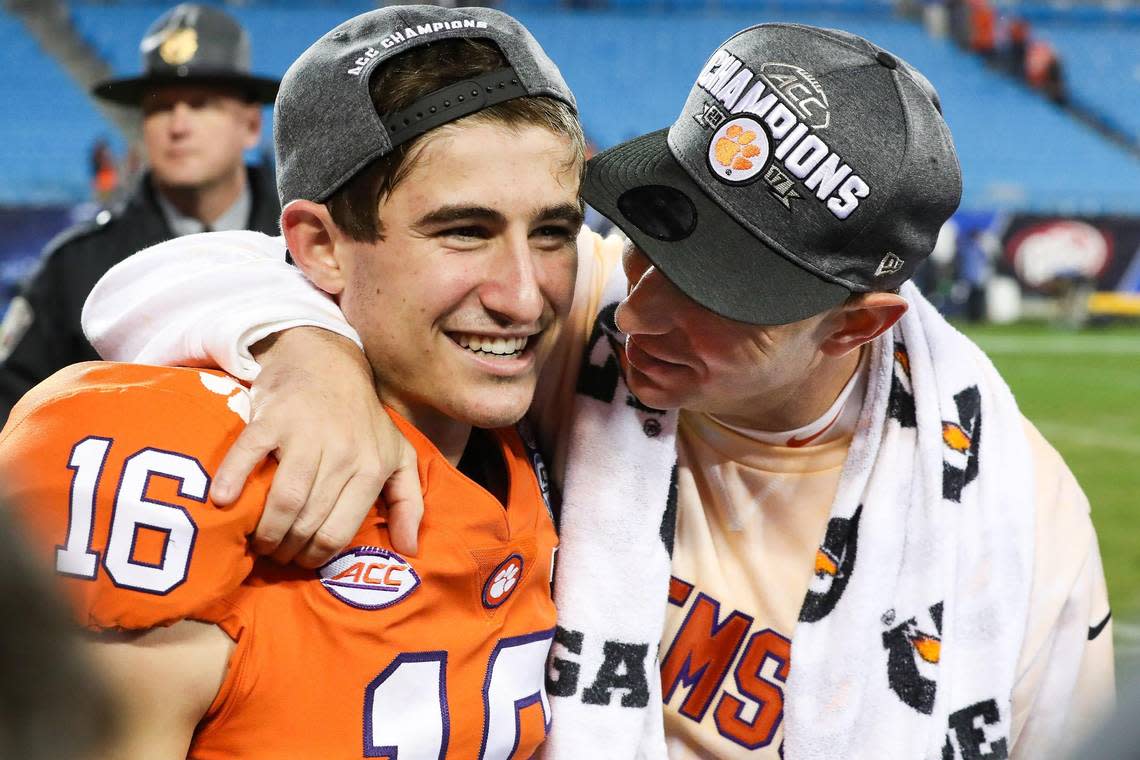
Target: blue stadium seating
1018, 151
50, 126
630, 71
1102, 67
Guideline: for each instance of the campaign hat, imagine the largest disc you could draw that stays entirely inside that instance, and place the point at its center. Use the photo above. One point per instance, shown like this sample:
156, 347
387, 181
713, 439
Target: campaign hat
192, 44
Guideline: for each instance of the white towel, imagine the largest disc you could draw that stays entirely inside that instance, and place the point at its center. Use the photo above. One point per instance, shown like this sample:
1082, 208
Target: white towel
611, 580
917, 656
908, 650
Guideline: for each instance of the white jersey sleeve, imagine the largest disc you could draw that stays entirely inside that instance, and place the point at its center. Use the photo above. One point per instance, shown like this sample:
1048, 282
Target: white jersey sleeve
203, 300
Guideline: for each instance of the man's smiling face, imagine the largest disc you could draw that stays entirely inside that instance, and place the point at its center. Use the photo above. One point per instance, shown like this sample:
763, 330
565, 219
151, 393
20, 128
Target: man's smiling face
458, 303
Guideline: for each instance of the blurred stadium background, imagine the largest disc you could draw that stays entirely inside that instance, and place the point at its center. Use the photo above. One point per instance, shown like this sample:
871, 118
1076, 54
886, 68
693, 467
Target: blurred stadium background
1041, 264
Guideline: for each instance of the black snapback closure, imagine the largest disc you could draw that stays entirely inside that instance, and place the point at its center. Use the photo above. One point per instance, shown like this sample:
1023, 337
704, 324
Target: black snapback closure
453, 102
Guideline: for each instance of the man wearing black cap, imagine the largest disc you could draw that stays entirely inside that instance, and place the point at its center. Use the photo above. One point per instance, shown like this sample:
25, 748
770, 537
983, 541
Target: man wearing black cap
840, 536
201, 109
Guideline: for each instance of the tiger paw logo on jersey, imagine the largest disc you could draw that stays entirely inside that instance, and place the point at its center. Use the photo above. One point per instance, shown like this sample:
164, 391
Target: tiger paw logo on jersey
738, 151
914, 650
369, 578
502, 581
834, 563
237, 395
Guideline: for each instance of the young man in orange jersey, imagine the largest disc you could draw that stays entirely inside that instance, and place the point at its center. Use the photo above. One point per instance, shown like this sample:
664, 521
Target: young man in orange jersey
429, 162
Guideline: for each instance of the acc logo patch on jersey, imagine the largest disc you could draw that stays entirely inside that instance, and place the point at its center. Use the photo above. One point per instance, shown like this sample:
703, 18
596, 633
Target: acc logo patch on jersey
739, 150
502, 581
369, 578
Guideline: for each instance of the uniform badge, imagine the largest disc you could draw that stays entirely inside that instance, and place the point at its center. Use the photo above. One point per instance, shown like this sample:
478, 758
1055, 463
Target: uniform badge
179, 46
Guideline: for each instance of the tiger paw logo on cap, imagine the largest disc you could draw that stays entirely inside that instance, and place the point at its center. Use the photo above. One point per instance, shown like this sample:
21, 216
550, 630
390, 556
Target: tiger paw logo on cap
502, 581
738, 150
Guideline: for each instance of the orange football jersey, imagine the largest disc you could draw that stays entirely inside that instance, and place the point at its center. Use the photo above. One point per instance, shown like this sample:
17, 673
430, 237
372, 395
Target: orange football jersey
436, 656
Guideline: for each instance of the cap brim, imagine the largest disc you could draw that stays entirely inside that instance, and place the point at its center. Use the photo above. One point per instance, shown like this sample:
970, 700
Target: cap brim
131, 90
717, 262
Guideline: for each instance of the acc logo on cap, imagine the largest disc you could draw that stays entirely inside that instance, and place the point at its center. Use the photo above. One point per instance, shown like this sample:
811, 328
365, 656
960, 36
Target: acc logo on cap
502, 581
369, 577
738, 150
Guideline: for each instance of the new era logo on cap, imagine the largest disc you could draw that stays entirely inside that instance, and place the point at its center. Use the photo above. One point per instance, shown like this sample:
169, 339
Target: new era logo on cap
889, 265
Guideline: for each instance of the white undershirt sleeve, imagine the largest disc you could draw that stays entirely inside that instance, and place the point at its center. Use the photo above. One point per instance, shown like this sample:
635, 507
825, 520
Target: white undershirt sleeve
203, 300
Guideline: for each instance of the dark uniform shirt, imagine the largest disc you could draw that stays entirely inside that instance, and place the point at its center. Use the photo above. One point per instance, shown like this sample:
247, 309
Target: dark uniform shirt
44, 326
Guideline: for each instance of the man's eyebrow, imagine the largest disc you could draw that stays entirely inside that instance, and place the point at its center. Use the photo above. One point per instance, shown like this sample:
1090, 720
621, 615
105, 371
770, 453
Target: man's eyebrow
447, 214
565, 212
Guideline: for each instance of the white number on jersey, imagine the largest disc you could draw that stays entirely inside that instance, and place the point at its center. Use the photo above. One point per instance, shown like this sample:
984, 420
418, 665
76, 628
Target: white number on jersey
132, 512
405, 707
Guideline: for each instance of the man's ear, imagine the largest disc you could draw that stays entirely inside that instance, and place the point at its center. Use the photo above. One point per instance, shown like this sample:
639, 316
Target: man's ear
312, 236
862, 320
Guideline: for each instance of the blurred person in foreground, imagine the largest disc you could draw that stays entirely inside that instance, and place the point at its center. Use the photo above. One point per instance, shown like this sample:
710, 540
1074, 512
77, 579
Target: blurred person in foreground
54, 702
799, 509
440, 173
201, 109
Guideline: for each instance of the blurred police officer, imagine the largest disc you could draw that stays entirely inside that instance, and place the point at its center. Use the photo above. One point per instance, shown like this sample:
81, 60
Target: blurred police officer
201, 109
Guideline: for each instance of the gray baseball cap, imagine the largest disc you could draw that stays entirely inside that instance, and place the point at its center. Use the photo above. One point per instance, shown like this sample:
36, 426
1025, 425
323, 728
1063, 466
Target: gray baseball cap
808, 164
325, 126
191, 44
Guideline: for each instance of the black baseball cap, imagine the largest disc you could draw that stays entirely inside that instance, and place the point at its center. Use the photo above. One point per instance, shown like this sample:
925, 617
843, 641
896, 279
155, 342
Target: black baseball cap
191, 44
808, 164
325, 125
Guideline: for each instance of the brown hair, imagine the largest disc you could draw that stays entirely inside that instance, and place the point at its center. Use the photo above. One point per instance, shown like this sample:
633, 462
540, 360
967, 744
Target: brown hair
355, 206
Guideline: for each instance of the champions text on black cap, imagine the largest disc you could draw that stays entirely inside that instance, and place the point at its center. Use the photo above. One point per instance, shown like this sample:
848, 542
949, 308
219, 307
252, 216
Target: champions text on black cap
808, 164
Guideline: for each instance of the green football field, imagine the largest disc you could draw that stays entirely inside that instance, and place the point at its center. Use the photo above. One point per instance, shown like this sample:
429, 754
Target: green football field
1082, 390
